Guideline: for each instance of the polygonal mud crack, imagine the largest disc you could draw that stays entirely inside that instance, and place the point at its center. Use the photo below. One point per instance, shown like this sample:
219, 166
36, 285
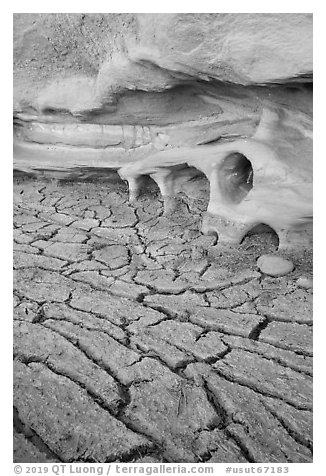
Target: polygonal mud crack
143, 340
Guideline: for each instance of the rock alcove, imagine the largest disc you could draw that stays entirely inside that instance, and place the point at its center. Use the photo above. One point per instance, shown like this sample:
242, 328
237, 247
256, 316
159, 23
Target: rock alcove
138, 336
151, 94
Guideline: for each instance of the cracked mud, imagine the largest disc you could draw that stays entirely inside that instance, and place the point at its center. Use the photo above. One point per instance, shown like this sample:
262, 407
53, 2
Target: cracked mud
138, 339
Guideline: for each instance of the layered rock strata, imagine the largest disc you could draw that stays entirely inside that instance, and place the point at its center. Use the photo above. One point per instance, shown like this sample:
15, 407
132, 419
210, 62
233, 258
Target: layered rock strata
169, 96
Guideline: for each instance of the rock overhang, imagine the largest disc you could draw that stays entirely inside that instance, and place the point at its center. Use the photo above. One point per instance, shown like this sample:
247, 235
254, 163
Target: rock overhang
145, 93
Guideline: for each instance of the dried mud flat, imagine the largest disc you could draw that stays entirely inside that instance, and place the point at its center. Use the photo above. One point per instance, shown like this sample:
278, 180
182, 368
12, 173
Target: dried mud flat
138, 339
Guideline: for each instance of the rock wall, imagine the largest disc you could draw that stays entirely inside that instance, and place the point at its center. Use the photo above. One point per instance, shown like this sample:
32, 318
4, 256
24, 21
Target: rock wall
154, 94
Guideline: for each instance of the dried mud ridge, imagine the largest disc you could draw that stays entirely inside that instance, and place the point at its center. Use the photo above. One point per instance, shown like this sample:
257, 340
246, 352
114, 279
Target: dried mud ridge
138, 339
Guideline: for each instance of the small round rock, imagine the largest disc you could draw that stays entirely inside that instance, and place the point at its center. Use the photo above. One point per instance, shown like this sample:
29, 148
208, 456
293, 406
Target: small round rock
274, 265
304, 282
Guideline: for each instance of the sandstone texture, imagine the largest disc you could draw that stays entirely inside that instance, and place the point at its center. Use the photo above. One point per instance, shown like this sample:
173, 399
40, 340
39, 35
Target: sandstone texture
167, 95
170, 348
157, 157
115, 50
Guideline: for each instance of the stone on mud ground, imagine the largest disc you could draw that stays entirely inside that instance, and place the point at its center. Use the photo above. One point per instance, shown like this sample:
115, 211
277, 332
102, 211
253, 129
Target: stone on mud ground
304, 282
274, 265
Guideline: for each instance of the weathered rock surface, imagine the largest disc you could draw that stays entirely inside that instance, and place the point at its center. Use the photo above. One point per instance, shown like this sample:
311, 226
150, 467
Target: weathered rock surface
168, 96
137, 338
197, 357
151, 52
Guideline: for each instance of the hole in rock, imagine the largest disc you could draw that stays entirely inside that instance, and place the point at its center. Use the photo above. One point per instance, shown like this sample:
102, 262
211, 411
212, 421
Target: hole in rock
194, 184
235, 177
261, 238
148, 186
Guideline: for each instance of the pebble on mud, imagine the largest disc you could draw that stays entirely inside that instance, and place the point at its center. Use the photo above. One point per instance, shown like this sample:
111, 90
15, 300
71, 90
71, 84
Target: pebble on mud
304, 282
274, 265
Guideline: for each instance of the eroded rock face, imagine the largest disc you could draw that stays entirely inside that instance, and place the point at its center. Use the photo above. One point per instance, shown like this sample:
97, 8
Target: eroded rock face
161, 94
